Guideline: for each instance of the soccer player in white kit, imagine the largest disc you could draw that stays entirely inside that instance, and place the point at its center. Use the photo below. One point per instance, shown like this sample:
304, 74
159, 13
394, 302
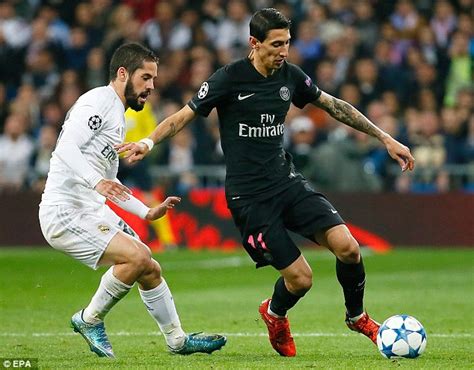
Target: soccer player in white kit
75, 219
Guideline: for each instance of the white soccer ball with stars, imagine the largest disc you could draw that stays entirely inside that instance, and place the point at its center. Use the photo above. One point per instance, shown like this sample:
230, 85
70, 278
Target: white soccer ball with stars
401, 336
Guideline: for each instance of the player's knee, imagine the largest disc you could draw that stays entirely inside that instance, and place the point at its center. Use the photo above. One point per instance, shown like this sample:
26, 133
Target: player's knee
141, 261
153, 269
349, 252
300, 284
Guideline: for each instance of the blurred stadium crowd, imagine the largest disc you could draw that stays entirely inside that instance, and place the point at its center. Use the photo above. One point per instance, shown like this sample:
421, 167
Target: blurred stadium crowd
406, 64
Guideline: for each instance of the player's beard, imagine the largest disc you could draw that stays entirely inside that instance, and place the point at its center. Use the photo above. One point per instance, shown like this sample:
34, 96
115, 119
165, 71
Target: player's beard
131, 97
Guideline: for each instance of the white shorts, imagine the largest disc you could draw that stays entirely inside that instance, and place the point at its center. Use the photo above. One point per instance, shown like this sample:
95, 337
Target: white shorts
82, 233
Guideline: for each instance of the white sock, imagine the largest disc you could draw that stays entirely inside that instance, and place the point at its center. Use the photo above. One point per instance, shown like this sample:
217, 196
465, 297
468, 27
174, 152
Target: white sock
354, 319
270, 312
110, 291
159, 303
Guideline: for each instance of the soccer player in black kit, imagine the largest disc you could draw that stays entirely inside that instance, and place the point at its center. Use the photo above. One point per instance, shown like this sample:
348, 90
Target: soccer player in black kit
264, 193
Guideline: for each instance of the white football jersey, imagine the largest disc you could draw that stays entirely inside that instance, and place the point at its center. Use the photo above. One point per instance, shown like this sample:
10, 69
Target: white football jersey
94, 124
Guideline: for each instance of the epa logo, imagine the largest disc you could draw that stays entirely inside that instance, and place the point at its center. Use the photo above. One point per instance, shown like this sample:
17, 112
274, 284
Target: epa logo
19, 363
94, 122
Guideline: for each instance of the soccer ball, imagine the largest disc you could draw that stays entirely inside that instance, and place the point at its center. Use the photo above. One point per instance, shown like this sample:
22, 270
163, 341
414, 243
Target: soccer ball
401, 336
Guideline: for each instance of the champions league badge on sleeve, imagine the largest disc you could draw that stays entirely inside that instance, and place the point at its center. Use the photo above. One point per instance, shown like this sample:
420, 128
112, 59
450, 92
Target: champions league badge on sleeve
95, 122
203, 90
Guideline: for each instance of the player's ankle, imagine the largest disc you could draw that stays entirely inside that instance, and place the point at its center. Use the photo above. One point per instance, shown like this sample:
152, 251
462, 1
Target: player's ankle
271, 313
90, 319
175, 338
356, 318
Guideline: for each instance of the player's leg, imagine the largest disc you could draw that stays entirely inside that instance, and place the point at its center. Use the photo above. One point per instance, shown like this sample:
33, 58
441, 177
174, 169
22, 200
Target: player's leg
351, 275
295, 281
129, 259
159, 302
85, 235
290, 287
268, 243
133, 262
313, 216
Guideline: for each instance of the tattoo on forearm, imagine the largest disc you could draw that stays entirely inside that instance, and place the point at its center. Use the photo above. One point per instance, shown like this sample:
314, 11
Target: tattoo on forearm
173, 129
346, 113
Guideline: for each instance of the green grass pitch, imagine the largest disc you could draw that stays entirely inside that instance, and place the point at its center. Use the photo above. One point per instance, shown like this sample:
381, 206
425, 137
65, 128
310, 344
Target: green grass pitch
220, 292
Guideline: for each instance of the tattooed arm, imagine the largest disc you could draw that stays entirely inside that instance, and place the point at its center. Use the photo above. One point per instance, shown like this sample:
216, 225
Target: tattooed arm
170, 126
173, 124
347, 114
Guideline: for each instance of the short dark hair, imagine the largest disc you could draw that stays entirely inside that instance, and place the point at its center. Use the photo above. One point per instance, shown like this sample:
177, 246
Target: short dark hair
265, 20
130, 56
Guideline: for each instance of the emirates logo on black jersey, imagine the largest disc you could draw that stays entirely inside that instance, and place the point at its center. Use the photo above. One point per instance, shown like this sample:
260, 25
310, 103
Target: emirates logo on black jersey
95, 122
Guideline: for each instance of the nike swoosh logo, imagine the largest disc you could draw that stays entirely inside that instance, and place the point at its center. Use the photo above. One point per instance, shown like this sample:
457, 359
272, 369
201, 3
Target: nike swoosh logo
333, 211
242, 97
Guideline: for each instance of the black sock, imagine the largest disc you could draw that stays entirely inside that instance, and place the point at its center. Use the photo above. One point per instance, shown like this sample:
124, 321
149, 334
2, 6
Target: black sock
352, 279
282, 299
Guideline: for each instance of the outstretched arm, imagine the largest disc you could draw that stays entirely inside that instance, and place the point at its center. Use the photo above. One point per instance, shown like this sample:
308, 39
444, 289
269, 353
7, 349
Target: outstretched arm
347, 114
168, 127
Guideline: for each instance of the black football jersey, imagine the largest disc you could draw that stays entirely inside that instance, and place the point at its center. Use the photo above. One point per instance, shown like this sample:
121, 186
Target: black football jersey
252, 111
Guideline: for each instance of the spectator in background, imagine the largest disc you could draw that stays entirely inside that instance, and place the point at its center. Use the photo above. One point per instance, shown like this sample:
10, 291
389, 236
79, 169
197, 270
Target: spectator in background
16, 149
461, 67
138, 125
326, 76
406, 20
39, 164
302, 139
465, 103
212, 14
58, 29
469, 155
232, 32
27, 102
338, 50
68, 89
52, 114
14, 28
308, 45
426, 78
143, 9
118, 23
431, 52
365, 24
85, 19
96, 71
3, 106
338, 164
455, 133
77, 50
42, 73
428, 146
391, 103
160, 32
366, 76
178, 155
443, 22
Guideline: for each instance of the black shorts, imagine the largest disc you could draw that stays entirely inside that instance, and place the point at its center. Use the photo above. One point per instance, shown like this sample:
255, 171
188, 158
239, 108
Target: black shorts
264, 224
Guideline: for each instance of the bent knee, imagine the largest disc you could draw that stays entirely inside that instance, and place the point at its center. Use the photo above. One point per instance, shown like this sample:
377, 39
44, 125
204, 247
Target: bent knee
301, 284
349, 252
141, 262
